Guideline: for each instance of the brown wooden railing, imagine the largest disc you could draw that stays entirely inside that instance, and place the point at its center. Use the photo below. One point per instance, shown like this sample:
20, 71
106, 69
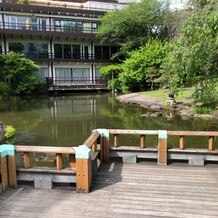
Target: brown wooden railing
182, 134
99, 144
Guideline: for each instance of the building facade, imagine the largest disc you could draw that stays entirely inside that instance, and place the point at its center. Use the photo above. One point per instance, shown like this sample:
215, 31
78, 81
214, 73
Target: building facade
60, 38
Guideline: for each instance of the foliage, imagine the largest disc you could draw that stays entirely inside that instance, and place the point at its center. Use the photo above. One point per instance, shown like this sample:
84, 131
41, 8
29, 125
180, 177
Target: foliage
111, 72
194, 57
22, 1
18, 72
9, 132
5, 89
143, 65
203, 109
134, 25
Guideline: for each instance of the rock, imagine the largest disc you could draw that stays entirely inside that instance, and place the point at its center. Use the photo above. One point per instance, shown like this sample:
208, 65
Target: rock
215, 115
187, 104
2, 131
156, 107
191, 113
184, 112
203, 116
152, 115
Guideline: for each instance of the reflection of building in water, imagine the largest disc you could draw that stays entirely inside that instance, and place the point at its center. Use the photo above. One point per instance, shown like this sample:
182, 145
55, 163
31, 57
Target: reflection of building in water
73, 115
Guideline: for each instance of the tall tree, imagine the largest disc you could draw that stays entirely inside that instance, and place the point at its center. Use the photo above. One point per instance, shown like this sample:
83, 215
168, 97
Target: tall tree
18, 72
194, 57
134, 25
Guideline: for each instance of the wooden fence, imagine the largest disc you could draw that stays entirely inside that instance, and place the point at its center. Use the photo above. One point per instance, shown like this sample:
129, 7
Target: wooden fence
82, 160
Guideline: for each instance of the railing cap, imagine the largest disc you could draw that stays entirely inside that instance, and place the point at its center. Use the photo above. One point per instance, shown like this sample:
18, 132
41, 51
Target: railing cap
82, 152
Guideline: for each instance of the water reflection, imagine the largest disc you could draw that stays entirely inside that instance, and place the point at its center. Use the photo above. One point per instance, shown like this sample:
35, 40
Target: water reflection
68, 120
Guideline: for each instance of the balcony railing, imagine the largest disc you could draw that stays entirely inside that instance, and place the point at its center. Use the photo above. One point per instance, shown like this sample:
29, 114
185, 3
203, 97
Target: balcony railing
69, 6
65, 56
69, 81
55, 28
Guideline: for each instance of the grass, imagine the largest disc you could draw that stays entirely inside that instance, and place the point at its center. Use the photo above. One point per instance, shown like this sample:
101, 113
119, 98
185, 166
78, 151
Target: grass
163, 94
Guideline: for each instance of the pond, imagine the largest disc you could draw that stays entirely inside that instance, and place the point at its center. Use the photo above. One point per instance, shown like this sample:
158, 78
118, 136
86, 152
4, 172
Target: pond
68, 120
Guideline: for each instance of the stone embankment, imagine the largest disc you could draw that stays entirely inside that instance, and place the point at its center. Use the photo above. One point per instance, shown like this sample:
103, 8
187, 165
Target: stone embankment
2, 131
156, 106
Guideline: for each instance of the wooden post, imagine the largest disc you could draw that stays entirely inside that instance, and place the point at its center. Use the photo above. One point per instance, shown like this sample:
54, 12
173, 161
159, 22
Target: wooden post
105, 149
83, 168
72, 161
162, 147
211, 143
59, 163
12, 171
182, 142
142, 141
12, 174
116, 143
4, 173
8, 167
26, 159
94, 146
104, 144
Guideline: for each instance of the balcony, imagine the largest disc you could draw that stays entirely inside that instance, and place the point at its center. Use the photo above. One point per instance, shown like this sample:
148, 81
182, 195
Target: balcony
66, 57
46, 28
75, 84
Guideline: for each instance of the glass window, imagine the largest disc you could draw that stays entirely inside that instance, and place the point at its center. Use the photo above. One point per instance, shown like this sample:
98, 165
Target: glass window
43, 72
58, 51
76, 51
98, 52
81, 74
63, 74
85, 52
114, 50
106, 53
97, 72
16, 47
67, 51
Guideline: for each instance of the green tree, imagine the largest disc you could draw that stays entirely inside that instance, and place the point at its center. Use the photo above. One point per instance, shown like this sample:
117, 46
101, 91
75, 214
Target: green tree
143, 65
194, 57
18, 72
134, 25
111, 72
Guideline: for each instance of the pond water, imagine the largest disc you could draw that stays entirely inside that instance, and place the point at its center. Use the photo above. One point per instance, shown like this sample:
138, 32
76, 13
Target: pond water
69, 119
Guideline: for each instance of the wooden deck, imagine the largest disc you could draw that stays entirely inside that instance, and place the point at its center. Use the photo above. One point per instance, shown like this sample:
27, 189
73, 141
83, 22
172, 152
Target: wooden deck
124, 190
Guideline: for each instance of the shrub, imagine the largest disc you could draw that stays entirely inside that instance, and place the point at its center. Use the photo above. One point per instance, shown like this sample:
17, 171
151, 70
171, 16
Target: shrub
10, 132
5, 89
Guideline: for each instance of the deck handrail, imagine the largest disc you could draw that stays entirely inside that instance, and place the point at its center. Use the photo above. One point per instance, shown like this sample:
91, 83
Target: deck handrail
42, 149
182, 134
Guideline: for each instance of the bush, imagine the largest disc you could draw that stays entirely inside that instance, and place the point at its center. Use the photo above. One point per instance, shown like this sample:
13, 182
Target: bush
10, 132
203, 109
5, 89
19, 71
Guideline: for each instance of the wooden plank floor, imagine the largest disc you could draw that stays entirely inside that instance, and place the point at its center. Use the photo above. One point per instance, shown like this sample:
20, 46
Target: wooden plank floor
124, 190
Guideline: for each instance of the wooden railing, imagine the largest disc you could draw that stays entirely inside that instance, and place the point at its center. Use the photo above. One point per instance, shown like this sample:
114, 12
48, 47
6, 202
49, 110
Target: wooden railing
82, 167
182, 134
59, 151
162, 146
98, 142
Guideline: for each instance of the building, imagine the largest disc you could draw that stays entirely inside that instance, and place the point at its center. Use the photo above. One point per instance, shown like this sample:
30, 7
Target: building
60, 36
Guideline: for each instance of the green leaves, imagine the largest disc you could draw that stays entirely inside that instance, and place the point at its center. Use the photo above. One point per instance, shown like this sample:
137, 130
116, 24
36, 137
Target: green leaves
143, 65
18, 71
194, 57
134, 25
